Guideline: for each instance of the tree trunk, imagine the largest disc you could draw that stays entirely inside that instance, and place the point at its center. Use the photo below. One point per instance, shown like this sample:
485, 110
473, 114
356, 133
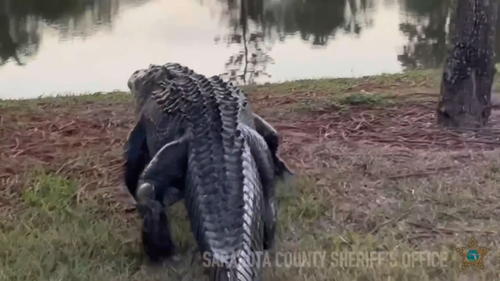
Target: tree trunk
468, 74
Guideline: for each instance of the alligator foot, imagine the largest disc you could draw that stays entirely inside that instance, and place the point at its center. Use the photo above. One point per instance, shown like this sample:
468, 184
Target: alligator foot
268, 242
156, 238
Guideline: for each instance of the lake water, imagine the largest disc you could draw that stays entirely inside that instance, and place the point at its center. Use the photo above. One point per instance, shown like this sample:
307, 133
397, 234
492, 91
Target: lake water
75, 46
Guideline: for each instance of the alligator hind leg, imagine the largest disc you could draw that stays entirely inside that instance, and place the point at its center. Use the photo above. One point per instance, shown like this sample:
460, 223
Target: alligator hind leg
165, 171
265, 166
136, 156
270, 135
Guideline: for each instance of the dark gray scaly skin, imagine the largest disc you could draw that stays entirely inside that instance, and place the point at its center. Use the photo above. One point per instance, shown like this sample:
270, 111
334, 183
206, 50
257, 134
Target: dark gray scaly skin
152, 131
224, 194
264, 162
155, 129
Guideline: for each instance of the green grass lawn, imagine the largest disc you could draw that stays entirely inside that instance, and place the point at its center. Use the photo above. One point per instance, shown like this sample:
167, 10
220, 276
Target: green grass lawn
374, 174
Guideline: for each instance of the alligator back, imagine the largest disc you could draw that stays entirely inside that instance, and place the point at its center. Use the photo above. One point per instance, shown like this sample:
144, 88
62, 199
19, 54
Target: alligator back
163, 128
223, 191
160, 128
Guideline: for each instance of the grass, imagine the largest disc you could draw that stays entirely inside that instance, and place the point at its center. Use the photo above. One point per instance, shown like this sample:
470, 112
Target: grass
371, 177
56, 238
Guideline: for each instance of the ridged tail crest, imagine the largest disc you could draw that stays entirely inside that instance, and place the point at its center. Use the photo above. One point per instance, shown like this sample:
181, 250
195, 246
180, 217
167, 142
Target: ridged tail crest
223, 196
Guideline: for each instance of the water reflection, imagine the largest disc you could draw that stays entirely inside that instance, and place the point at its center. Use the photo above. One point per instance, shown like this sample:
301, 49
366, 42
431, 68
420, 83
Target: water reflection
94, 45
255, 25
248, 29
425, 25
21, 23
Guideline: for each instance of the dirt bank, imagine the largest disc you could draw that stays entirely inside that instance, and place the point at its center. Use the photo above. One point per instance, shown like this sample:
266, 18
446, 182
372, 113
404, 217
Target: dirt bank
375, 175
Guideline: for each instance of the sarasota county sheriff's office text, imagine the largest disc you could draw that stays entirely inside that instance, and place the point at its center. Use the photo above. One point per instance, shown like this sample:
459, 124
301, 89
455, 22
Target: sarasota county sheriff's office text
342, 259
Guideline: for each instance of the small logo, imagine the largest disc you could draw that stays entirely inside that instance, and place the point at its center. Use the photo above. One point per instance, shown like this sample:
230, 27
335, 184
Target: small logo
472, 254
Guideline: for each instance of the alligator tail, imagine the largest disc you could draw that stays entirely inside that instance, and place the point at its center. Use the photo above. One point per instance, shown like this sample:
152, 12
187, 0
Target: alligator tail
224, 195
243, 265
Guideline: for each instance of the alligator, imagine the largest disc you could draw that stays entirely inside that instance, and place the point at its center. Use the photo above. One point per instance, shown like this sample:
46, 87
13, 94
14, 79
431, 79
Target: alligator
211, 150
153, 129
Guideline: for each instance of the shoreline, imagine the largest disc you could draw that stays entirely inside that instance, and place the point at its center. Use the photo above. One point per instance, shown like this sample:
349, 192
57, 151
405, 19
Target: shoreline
249, 88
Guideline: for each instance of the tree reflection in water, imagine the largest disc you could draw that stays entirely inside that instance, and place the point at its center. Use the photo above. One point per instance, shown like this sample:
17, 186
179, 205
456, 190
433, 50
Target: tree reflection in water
257, 25
22, 21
